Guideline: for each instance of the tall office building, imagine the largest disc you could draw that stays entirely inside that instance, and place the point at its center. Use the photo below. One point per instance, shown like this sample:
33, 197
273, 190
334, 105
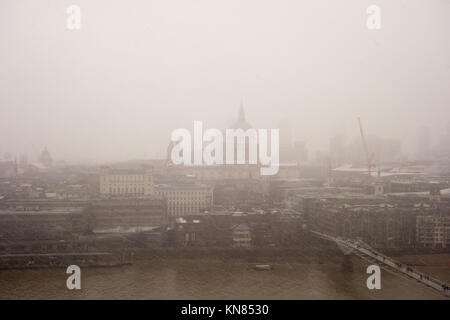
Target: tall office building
424, 146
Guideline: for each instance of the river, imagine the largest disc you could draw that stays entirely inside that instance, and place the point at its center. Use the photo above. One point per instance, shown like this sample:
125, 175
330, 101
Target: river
211, 279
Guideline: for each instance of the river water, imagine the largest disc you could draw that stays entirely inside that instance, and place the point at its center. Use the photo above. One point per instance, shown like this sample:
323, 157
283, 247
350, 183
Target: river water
211, 279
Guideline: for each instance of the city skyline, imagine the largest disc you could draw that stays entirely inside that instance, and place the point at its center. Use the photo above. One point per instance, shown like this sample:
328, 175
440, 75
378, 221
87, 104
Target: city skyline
316, 63
218, 152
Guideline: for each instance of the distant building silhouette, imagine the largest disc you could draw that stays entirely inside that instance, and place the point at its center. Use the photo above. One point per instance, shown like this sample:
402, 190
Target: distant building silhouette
424, 146
45, 158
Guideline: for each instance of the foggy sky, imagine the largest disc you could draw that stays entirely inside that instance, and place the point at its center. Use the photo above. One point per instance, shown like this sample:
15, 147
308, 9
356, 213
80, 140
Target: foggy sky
137, 70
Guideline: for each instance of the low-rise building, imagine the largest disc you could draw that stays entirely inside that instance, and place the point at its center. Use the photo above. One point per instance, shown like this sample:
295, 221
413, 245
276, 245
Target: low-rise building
127, 214
46, 224
239, 229
379, 224
242, 236
433, 231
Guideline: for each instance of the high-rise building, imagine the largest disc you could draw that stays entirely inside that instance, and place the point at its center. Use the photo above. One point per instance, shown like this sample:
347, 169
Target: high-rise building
442, 149
300, 151
286, 150
337, 150
424, 146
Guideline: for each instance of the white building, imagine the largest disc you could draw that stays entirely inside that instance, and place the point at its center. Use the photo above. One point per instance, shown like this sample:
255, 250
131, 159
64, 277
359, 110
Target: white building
126, 181
185, 198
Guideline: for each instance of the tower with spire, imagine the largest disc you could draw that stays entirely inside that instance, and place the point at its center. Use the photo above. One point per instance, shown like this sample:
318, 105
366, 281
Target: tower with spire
241, 123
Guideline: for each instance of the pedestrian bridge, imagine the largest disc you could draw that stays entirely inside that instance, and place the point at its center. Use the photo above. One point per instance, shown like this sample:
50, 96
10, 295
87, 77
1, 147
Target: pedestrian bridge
369, 254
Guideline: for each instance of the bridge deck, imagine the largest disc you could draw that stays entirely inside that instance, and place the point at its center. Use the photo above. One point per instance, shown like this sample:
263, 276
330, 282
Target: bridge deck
368, 253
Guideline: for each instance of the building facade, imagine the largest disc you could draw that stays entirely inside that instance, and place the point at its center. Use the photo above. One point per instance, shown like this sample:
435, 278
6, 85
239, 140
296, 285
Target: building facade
381, 225
242, 236
185, 198
433, 231
122, 182
41, 224
126, 214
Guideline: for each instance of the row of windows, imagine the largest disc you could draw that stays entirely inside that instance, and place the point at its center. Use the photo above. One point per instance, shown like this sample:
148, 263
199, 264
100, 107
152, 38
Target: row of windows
247, 238
180, 211
171, 202
129, 185
126, 190
189, 237
183, 194
125, 178
174, 198
190, 208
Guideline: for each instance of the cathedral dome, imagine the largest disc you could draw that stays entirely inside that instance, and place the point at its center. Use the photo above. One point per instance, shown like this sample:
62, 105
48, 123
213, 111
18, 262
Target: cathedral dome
45, 158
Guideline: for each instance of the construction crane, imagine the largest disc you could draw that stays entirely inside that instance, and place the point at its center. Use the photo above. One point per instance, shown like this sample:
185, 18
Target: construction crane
370, 163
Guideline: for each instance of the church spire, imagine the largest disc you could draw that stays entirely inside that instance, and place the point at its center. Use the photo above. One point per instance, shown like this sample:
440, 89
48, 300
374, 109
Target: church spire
241, 123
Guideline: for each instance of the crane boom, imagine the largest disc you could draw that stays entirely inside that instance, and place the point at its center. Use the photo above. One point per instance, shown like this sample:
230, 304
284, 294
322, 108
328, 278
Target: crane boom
369, 159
